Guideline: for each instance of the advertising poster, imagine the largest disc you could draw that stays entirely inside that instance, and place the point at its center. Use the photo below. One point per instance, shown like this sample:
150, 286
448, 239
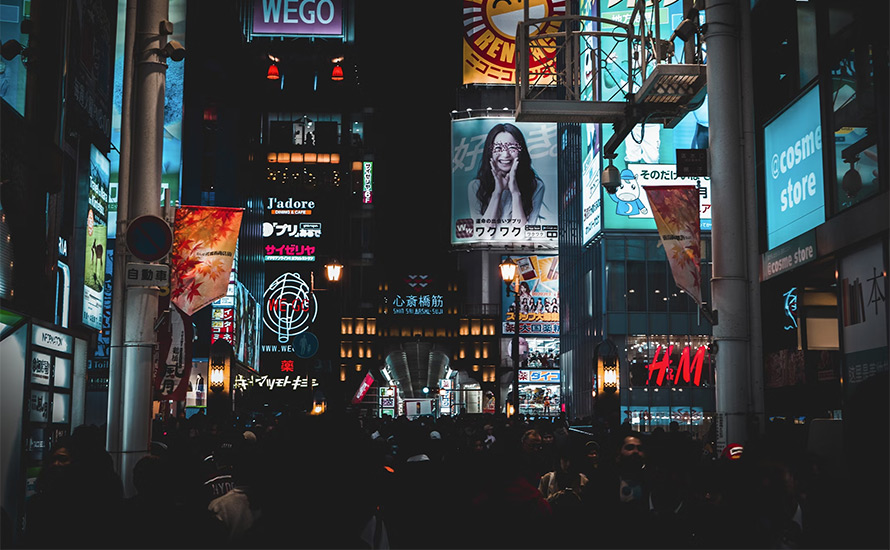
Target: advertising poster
538, 297
96, 241
490, 38
647, 144
497, 164
792, 146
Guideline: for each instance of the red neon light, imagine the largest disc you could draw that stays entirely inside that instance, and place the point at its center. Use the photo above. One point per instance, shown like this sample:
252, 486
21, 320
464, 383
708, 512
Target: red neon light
288, 305
287, 365
687, 368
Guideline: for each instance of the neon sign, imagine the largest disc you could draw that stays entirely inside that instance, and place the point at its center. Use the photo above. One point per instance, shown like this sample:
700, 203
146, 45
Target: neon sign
290, 306
242, 383
418, 304
290, 253
791, 308
686, 368
367, 181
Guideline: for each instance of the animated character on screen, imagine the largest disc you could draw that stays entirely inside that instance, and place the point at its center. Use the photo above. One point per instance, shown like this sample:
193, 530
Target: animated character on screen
627, 197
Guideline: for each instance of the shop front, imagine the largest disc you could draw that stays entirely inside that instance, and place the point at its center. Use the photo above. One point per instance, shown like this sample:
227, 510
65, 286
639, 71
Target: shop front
668, 379
42, 399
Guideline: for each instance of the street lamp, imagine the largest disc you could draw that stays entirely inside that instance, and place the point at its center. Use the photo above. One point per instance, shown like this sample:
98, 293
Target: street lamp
508, 273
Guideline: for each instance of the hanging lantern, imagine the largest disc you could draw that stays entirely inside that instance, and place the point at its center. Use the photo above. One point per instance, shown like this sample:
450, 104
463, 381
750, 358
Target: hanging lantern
273, 72
337, 73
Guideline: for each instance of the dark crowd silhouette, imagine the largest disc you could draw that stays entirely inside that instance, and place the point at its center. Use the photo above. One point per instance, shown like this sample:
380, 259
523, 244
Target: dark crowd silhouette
467, 481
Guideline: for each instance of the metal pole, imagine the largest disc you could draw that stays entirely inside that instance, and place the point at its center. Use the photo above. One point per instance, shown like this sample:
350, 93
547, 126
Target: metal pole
140, 338
118, 311
515, 350
731, 216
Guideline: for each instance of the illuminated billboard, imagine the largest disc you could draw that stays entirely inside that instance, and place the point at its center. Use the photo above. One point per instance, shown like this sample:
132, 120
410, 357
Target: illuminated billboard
538, 297
629, 207
13, 73
792, 146
591, 196
298, 17
96, 240
489, 42
498, 164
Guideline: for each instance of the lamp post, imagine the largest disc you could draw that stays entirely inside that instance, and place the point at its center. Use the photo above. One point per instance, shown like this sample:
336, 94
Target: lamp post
508, 273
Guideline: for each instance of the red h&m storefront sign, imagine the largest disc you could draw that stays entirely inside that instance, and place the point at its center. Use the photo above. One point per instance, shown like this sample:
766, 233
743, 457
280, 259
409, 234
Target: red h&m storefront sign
689, 369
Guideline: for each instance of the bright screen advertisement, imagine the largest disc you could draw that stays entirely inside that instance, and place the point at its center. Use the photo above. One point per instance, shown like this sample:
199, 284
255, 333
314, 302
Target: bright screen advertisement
298, 17
538, 297
497, 163
591, 197
647, 144
792, 146
490, 38
12, 71
96, 240
294, 247
172, 145
629, 207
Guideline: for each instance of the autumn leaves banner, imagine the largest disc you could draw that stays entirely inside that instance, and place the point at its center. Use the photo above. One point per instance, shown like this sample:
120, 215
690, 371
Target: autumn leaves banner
204, 240
676, 212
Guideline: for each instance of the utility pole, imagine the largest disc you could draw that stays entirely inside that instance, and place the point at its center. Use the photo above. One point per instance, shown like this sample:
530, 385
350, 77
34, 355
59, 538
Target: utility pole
133, 335
734, 285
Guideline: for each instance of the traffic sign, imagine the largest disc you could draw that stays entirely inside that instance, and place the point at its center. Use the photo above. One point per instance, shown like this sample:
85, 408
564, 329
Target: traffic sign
149, 238
305, 345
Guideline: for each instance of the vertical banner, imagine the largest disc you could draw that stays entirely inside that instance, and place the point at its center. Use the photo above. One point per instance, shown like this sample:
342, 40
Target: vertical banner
363, 388
675, 209
174, 357
204, 241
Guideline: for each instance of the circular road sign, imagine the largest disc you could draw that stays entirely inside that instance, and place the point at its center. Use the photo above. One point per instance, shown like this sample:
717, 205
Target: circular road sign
149, 238
305, 345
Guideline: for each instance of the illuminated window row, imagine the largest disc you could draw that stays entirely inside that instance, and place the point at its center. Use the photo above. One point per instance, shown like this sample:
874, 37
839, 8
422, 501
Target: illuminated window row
349, 350
359, 325
478, 327
478, 350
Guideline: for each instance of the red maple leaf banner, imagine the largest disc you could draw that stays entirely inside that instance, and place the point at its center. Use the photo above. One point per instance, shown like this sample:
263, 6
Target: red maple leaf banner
677, 217
204, 242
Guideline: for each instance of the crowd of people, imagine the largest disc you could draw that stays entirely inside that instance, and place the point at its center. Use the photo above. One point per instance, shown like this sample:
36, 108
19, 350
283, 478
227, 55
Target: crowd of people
468, 481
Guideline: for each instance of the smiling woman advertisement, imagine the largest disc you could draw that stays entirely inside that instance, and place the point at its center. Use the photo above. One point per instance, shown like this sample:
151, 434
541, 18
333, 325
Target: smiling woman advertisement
498, 194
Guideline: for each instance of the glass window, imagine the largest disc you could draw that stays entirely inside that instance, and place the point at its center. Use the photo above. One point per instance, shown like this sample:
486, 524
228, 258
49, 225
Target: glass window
61, 407
658, 294
62, 374
616, 286
636, 285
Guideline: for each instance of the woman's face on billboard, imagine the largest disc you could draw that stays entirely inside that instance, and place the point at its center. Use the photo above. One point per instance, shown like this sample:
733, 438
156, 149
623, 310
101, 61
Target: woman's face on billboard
505, 150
